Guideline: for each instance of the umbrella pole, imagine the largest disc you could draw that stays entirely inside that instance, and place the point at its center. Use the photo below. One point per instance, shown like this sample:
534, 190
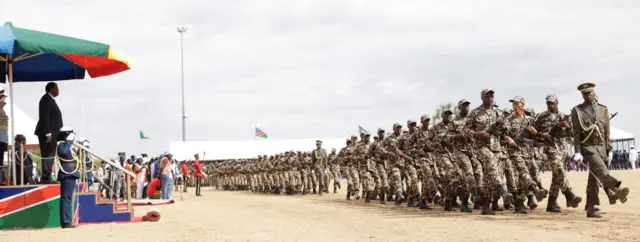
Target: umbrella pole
13, 121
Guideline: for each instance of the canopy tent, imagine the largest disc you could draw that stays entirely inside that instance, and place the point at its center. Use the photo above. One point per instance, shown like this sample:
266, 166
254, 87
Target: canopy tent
24, 124
620, 135
220, 150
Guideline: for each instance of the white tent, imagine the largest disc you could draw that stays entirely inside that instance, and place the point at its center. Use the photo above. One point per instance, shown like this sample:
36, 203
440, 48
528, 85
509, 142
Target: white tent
24, 124
220, 150
620, 135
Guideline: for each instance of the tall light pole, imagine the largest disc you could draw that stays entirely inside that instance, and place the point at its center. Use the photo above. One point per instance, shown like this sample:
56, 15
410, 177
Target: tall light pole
182, 30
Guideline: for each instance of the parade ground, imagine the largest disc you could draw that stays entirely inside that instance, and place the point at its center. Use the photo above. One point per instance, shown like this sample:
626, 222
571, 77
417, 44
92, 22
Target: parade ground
243, 216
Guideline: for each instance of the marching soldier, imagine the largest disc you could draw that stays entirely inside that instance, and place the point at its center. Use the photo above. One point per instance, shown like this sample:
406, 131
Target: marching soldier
319, 160
591, 141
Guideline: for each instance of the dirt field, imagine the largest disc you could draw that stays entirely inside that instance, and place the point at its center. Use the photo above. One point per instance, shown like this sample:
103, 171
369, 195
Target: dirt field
237, 216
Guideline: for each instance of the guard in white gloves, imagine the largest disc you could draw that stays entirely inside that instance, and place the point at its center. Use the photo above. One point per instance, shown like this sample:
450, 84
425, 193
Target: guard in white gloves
592, 144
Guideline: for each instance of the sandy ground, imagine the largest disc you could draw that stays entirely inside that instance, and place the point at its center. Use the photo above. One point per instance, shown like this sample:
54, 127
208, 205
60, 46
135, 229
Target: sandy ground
241, 216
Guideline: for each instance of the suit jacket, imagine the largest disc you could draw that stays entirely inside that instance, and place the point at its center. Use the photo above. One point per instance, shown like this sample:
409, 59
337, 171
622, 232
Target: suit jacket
583, 115
322, 162
50, 117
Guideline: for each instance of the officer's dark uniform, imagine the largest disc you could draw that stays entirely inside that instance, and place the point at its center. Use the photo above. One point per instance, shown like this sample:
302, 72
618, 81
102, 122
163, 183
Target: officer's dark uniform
67, 181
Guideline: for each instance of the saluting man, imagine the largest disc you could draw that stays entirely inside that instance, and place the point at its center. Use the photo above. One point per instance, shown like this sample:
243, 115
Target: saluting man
67, 175
592, 143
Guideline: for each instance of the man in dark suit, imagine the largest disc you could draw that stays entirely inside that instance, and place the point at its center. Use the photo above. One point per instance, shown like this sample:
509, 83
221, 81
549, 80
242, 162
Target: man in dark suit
48, 127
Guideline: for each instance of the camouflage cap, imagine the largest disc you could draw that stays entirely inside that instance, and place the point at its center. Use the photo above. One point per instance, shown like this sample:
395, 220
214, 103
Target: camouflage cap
530, 110
396, 125
425, 117
410, 121
381, 130
445, 111
551, 98
463, 102
318, 141
517, 99
486, 91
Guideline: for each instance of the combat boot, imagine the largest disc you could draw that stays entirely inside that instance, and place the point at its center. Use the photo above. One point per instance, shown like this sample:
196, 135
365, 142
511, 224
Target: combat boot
448, 205
436, 200
540, 194
531, 202
464, 208
314, 190
335, 189
593, 213
552, 205
348, 195
389, 197
504, 193
367, 197
357, 195
320, 192
520, 207
454, 202
382, 198
506, 205
573, 201
495, 206
622, 194
424, 204
399, 199
486, 208
416, 200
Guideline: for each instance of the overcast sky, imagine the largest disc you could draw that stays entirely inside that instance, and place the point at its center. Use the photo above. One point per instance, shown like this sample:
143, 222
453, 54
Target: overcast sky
305, 69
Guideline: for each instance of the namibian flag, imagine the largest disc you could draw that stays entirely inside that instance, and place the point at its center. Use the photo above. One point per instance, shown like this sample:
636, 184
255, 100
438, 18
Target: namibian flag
261, 134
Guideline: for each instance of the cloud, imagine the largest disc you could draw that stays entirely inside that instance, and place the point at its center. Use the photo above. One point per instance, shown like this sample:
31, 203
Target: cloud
304, 69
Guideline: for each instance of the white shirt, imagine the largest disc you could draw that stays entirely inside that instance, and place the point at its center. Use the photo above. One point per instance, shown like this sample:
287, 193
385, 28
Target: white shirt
633, 155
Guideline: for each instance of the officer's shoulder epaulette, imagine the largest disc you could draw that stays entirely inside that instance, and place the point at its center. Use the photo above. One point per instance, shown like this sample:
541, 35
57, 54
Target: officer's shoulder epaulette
600, 104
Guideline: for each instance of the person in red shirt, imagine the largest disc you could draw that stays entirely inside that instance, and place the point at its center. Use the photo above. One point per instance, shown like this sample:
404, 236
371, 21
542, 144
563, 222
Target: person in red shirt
185, 175
153, 189
198, 174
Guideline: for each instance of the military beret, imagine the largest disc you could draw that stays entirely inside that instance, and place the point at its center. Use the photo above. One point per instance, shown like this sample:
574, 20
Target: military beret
586, 87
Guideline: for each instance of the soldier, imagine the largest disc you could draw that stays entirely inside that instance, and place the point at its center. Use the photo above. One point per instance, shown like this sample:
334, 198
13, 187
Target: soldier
362, 164
319, 160
397, 163
449, 183
520, 128
381, 159
554, 131
411, 174
334, 169
482, 125
67, 175
462, 153
592, 143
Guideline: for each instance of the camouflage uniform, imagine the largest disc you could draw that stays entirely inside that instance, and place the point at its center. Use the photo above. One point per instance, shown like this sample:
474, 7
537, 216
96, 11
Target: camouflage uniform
556, 125
481, 123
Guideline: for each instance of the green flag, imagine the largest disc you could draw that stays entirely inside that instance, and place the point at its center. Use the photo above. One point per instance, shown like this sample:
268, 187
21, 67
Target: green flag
143, 135
361, 130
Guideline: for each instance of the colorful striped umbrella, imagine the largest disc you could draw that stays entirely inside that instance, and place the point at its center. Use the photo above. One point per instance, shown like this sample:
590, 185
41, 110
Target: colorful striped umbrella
32, 56
38, 56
